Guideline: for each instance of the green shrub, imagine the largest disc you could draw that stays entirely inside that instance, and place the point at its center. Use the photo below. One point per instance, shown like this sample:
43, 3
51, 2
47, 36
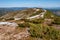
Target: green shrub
36, 21
24, 24
44, 32
48, 14
21, 25
57, 20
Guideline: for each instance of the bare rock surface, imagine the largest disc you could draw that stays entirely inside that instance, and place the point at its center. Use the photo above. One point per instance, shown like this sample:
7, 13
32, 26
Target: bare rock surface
12, 32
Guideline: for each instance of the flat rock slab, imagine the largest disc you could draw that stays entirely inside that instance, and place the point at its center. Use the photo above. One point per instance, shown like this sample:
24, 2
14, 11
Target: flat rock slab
10, 31
9, 23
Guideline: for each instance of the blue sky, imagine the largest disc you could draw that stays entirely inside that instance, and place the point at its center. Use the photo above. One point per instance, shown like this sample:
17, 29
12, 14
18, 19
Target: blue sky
29, 3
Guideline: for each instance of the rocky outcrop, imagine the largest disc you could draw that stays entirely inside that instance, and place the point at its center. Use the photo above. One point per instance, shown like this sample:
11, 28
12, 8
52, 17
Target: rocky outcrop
10, 31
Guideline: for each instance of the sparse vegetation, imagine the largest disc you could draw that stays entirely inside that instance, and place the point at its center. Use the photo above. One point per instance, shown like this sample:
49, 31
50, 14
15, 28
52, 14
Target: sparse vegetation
37, 13
24, 25
39, 28
50, 15
57, 20
44, 32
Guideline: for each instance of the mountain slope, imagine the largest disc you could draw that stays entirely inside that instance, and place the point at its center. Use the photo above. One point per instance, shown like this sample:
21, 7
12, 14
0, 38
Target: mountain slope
23, 13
